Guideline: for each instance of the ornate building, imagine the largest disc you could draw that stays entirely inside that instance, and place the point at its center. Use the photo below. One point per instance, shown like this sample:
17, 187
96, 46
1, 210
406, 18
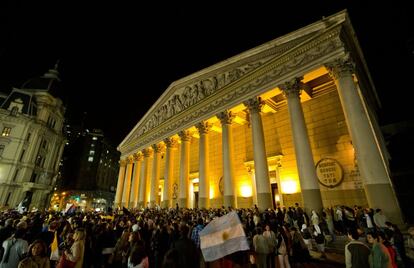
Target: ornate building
31, 142
292, 120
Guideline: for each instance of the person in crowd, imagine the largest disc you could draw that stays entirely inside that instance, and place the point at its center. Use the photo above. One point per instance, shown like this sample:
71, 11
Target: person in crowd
5, 233
379, 257
138, 257
186, 248
14, 248
319, 240
380, 219
356, 252
283, 248
76, 252
119, 256
392, 251
261, 247
300, 252
36, 256
307, 236
271, 241
409, 244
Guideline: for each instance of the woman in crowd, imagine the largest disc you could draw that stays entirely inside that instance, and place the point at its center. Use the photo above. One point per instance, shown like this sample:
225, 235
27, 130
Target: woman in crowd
77, 250
379, 258
36, 257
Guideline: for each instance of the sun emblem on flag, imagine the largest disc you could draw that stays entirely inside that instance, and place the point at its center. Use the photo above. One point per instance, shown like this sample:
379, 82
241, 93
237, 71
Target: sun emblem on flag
225, 236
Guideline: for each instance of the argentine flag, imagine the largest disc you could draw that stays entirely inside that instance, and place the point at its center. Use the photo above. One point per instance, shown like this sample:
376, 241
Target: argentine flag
223, 236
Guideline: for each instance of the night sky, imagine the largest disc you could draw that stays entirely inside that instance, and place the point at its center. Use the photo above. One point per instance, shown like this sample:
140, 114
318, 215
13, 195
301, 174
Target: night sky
116, 59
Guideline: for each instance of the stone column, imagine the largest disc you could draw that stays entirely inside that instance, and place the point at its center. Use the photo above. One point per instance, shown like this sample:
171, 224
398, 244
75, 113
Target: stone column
226, 119
261, 169
120, 184
135, 180
185, 137
144, 178
374, 173
309, 184
171, 144
155, 181
127, 182
204, 182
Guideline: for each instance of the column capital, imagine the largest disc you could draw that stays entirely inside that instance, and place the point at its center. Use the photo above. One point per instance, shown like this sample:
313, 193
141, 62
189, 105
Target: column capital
292, 88
340, 67
203, 127
130, 159
157, 147
138, 156
226, 117
254, 105
185, 135
123, 162
146, 152
171, 142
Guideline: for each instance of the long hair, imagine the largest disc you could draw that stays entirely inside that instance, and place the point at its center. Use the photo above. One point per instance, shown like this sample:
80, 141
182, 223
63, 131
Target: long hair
44, 248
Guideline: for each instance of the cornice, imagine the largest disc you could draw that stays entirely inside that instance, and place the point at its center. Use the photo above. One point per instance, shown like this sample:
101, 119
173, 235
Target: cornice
294, 62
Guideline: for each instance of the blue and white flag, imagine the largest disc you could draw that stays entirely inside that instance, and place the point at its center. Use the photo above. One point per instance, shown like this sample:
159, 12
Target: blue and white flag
223, 236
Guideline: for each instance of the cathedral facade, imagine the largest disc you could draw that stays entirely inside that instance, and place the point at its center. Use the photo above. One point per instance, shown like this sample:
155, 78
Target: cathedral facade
292, 120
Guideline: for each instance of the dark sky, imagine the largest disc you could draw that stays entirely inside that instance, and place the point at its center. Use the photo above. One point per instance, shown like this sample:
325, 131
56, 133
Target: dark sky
117, 58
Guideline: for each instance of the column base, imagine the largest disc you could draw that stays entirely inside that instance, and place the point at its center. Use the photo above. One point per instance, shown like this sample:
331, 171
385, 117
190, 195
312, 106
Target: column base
153, 204
264, 201
229, 201
312, 200
382, 196
182, 202
203, 202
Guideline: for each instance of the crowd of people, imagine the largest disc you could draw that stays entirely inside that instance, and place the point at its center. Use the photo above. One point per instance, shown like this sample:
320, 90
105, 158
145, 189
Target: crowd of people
155, 238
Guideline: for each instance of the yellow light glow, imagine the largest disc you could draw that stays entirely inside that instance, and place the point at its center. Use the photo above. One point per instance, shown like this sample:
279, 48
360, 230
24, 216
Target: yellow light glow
246, 191
289, 187
277, 197
63, 193
211, 193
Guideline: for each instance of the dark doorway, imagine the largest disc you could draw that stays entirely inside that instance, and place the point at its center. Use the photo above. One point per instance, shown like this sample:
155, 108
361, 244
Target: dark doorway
195, 199
275, 191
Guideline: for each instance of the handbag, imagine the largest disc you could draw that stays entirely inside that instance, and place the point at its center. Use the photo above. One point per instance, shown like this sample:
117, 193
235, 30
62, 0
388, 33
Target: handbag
65, 263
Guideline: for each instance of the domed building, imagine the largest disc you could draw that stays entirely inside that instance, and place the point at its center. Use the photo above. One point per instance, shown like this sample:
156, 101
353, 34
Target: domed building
31, 142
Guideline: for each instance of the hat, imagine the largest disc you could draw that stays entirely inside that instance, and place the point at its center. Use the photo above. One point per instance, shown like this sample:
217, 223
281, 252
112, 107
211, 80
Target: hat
135, 227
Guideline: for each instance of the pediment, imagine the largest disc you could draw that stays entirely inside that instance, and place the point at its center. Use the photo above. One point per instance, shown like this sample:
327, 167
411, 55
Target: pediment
189, 91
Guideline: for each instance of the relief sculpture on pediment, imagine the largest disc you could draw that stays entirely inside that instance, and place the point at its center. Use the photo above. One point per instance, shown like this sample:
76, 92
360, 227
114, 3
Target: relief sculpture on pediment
194, 93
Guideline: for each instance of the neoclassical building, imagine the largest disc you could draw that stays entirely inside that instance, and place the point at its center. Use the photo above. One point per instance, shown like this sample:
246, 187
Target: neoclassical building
292, 120
31, 142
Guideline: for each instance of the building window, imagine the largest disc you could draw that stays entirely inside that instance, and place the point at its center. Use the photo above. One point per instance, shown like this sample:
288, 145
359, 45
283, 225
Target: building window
28, 136
8, 198
2, 149
94, 138
33, 177
22, 155
44, 144
6, 131
38, 160
90, 159
91, 152
15, 174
